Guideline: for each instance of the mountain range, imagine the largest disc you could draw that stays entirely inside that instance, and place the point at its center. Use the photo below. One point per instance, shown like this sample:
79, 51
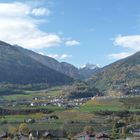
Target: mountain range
63, 67
22, 66
89, 70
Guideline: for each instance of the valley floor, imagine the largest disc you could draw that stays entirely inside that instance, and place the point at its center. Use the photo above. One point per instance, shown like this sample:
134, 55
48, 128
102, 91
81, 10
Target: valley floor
44, 112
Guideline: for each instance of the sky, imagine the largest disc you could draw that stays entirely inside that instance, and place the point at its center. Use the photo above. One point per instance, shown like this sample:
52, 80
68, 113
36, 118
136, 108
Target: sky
75, 31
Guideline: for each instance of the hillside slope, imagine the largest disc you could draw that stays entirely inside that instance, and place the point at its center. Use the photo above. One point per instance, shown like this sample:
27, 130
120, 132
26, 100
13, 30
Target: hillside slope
123, 74
64, 68
18, 68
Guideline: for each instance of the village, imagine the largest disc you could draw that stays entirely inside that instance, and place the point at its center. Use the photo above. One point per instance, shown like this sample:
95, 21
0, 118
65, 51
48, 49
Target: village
45, 101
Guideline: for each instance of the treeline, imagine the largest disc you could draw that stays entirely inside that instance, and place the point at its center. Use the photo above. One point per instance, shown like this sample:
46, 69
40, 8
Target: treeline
10, 87
23, 111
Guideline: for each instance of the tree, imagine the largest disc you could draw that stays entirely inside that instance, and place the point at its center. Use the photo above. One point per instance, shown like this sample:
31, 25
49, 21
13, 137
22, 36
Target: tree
12, 130
114, 131
23, 128
123, 132
88, 129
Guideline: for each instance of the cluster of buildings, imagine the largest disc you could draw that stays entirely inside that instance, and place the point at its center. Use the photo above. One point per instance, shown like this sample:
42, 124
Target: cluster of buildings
45, 101
60, 102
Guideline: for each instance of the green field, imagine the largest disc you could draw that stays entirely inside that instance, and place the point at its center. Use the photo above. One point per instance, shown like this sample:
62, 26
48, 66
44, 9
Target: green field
111, 104
53, 92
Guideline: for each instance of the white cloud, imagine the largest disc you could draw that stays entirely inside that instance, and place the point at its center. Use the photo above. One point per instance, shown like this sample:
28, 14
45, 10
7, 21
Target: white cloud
21, 9
72, 43
131, 42
64, 56
42, 53
119, 55
17, 26
57, 56
14, 9
41, 12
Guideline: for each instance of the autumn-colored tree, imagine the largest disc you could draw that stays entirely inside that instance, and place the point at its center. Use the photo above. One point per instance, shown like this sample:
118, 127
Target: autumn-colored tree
23, 128
114, 131
88, 129
12, 130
